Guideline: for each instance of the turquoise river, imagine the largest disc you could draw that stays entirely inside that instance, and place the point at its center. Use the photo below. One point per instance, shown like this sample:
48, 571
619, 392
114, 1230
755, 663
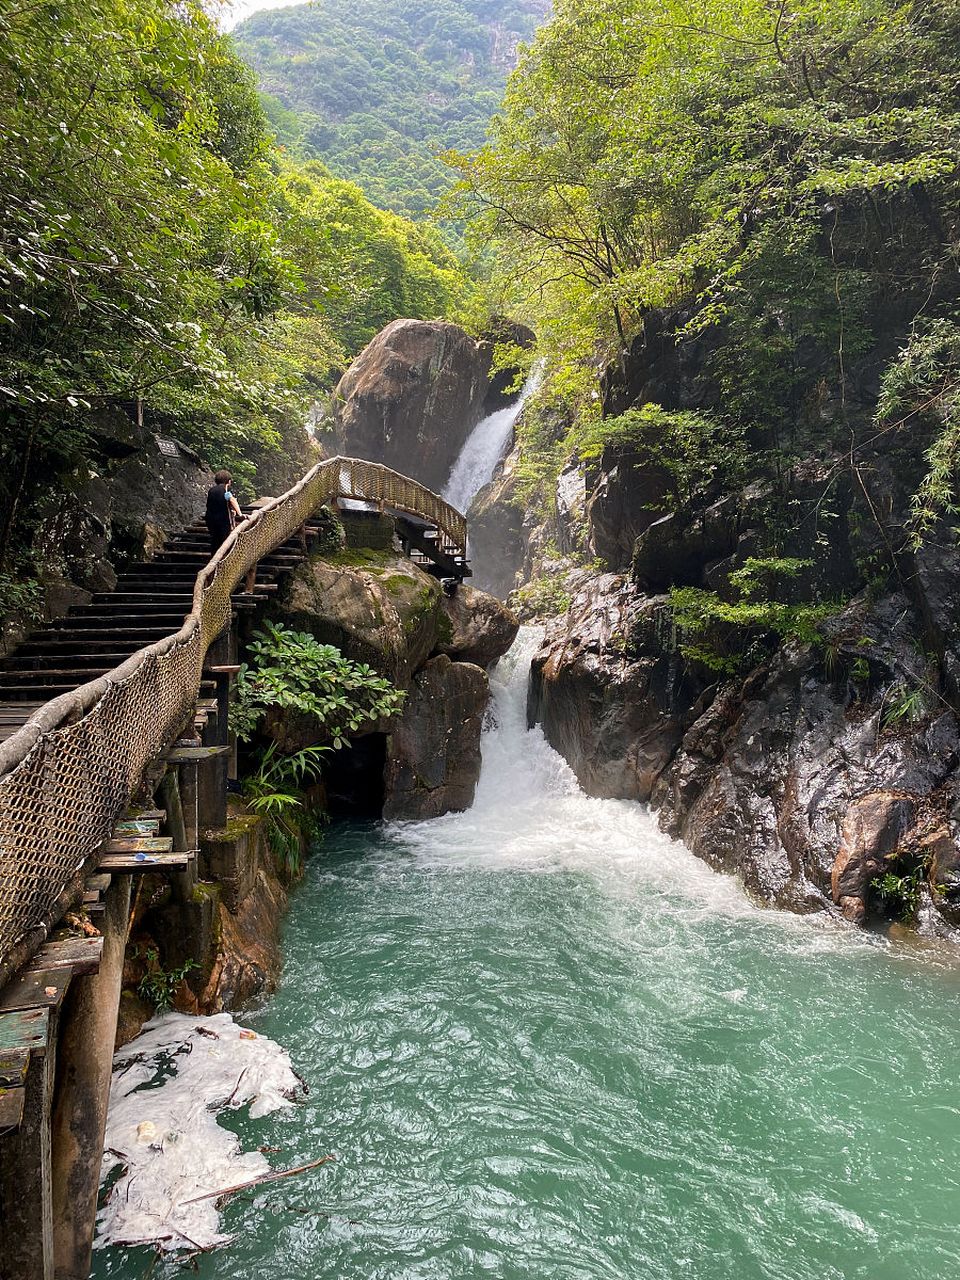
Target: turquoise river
543, 1040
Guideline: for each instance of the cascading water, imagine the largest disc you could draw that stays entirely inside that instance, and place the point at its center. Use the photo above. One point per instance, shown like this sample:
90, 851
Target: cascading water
485, 449
546, 1041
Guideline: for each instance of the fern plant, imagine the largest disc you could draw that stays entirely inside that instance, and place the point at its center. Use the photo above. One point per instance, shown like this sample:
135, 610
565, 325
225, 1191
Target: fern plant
276, 791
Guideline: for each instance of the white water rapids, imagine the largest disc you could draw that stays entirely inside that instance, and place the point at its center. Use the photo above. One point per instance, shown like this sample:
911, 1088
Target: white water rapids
485, 448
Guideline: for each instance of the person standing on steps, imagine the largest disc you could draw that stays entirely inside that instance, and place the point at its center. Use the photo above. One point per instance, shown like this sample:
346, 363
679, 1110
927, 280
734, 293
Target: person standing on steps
223, 510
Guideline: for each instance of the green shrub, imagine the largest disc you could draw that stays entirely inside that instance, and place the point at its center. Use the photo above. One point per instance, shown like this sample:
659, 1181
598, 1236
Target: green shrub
159, 986
294, 671
727, 628
541, 598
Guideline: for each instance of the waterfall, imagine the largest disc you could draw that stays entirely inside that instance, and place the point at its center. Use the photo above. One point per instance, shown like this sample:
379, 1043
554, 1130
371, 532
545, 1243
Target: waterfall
485, 448
530, 812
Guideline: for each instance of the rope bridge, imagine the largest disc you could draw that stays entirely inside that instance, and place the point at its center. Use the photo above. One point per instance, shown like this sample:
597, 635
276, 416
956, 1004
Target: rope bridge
74, 767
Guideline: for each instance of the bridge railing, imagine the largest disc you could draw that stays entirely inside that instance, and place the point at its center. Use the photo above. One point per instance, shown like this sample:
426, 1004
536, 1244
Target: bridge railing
75, 766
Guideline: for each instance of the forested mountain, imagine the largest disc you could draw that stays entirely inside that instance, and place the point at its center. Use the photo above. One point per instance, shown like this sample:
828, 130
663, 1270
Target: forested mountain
379, 88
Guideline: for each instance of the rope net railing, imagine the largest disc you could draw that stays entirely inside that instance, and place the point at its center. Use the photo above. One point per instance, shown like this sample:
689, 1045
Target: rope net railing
69, 773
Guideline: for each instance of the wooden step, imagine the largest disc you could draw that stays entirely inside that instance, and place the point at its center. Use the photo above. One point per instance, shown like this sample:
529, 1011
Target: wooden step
138, 844
24, 1029
40, 663
100, 619
136, 827
11, 1109
146, 596
81, 955
35, 989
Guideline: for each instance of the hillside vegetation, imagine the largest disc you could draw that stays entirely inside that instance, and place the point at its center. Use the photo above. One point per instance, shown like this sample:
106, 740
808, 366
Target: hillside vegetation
378, 89
780, 181
156, 248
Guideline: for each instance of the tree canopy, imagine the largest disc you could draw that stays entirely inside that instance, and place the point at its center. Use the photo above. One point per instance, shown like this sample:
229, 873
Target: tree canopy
156, 248
781, 168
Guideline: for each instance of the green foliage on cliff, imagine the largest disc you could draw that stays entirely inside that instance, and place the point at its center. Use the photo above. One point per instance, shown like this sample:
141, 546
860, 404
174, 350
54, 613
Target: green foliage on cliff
784, 175
378, 89
726, 634
155, 247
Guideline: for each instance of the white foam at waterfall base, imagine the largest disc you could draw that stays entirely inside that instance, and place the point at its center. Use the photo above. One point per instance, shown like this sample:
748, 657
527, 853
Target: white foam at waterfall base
162, 1131
530, 814
485, 448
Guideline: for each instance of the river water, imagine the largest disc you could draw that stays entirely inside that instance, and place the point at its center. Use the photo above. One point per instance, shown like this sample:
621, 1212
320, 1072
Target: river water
545, 1041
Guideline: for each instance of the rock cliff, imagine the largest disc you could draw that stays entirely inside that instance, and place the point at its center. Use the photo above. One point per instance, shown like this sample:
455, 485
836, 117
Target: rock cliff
824, 769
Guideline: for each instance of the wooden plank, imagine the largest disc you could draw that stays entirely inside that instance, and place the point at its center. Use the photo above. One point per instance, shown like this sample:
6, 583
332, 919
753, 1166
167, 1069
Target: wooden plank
98, 883
138, 844
44, 988
82, 955
13, 1067
177, 755
25, 1029
11, 1110
169, 861
147, 815
222, 669
137, 827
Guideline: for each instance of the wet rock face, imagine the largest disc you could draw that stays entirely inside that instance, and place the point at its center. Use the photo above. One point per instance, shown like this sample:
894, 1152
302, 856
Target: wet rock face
612, 710
480, 629
433, 754
411, 398
627, 495
795, 778
797, 782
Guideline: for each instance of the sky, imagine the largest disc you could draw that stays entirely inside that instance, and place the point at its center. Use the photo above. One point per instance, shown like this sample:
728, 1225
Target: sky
240, 9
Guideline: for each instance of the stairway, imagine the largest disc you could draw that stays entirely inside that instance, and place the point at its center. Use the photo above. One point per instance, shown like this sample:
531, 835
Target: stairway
150, 601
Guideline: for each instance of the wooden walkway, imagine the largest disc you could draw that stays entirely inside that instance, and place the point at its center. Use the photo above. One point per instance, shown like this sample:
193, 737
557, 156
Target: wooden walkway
125, 695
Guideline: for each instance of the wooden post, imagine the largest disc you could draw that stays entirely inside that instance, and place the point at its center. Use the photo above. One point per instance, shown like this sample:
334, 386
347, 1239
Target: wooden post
187, 778
182, 883
26, 1199
88, 1028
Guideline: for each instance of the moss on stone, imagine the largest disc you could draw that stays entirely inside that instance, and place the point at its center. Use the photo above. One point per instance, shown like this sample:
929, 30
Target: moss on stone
360, 557
444, 628
239, 824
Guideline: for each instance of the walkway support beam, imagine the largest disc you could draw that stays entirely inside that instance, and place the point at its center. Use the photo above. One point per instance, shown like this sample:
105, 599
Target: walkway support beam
88, 1027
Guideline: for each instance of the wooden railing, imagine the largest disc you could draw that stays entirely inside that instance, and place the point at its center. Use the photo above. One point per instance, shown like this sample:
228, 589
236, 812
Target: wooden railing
71, 771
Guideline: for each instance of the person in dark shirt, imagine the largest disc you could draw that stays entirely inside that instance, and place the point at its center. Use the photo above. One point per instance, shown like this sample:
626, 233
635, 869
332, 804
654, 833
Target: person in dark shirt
223, 510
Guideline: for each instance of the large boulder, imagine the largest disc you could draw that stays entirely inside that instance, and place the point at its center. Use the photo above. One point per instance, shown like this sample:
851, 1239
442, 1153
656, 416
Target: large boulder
481, 629
411, 398
433, 756
375, 606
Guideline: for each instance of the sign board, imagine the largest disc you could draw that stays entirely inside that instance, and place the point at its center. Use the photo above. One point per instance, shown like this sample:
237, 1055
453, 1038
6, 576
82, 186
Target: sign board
169, 448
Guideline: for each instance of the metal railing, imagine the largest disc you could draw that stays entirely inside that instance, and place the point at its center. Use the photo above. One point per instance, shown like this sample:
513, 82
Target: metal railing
69, 773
